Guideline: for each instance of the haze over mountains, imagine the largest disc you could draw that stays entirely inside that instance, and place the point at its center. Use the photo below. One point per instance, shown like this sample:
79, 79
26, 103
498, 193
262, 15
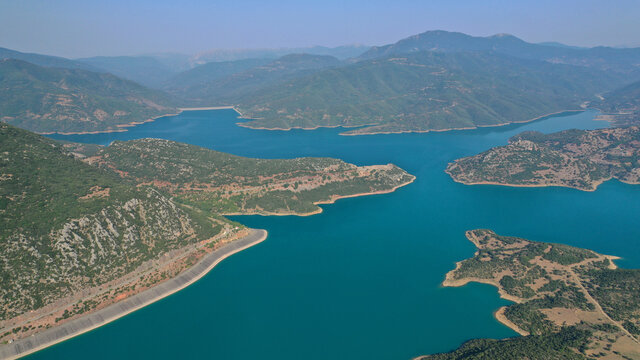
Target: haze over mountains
621, 106
51, 99
432, 81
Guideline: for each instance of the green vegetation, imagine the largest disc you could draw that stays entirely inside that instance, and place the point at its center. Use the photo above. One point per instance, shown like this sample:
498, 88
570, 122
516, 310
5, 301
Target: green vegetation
212, 87
568, 301
617, 292
66, 226
563, 345
622, 61
195, 80
74, 217
145, 70
621, 106
44, 60
229, 184
424, 91
574, 158
46, 99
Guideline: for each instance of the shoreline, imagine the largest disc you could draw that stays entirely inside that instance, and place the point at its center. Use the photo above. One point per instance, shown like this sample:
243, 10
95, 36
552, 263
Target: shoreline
594, 188
332, 200
596, 184
86, 323
499, 314
122, 127
409, 131
467, 127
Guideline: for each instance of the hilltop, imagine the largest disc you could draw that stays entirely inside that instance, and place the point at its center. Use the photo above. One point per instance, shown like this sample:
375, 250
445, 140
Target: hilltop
47, 99
228, 184
603, 58
580, 159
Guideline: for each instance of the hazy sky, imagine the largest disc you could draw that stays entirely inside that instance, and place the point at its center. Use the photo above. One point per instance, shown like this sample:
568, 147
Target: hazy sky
126, 27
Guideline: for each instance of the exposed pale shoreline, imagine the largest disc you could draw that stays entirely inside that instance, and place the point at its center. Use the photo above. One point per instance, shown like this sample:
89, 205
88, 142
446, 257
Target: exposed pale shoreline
332, 200
449, 281
83, 324
499, 314
122, 127
594, 188
404, 131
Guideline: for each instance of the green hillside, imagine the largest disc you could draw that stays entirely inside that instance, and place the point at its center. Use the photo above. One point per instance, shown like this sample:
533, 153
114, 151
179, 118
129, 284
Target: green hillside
82, 226
45, 60
67, 226
621, 106
46, 99
556, 346
226, 90
191, 80
425, 91
228, 184
574, 158
145, 70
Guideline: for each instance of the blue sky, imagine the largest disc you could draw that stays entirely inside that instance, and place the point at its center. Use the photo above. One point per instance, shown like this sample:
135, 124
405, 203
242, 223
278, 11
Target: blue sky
118, 27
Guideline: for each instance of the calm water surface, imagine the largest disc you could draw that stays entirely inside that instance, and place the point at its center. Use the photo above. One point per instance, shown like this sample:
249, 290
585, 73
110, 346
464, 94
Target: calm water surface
362, 279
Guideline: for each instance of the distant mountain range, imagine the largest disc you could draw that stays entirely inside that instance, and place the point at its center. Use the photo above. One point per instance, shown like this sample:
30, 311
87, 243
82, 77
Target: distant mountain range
145, 70
341, 52
226, 82
44, 60
436, 80
604, 58
422, 91
51, 99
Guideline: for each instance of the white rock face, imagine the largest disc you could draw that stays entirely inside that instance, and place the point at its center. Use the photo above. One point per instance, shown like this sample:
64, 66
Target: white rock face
90, 250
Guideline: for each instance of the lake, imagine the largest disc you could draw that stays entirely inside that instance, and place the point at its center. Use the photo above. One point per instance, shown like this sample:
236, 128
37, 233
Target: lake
362, 279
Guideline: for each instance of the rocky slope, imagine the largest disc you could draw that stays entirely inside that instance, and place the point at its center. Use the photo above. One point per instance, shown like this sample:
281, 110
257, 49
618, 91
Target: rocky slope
67, 226
46, 99
573, 158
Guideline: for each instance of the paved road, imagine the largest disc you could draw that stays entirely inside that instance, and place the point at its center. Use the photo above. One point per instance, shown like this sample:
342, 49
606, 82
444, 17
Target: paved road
91, 321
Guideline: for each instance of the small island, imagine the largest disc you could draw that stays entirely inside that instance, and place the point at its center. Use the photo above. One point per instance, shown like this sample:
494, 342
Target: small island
580, 159
569, 303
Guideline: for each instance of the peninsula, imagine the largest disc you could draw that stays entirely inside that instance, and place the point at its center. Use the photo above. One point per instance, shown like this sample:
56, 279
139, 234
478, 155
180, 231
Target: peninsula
234, 185
580, 159
569, 303
85, 227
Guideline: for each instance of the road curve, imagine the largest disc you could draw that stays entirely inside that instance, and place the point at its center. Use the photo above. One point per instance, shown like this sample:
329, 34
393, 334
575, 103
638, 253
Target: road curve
51, 336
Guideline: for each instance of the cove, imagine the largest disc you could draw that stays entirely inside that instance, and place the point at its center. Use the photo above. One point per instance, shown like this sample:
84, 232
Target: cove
362, 279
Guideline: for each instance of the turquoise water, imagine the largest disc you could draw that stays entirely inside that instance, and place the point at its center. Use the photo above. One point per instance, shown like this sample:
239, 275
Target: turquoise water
362, 279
